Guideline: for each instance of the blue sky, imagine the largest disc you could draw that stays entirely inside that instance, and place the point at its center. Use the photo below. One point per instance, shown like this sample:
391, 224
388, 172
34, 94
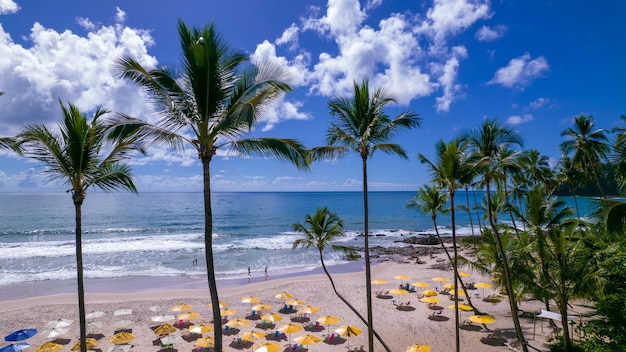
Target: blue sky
534, 64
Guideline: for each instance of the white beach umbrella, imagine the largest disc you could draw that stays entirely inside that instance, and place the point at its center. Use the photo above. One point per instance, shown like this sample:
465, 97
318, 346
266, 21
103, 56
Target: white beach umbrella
171, 339
94, 325
119, 348
60, 323
122, 324
125, 311
157, 308
94, 315
162, 318
56, 332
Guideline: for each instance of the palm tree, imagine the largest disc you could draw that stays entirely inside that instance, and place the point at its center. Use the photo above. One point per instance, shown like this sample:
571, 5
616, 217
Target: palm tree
590, 146
361, 125
320, 231
572, 176
209, 107
451, 171
485, 144
75, 156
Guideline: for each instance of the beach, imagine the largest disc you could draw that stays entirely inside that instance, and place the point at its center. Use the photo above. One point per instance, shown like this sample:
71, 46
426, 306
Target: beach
399, 328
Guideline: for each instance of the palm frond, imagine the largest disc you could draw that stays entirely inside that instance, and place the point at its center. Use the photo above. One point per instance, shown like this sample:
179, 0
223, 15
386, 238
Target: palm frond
279, 148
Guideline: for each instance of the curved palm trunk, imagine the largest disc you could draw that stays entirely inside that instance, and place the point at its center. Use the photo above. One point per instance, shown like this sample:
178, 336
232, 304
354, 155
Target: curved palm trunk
208, 250
567, 342
78, 202
332, 283
480, 225
457, 335
368, 274
507, 274
469, 211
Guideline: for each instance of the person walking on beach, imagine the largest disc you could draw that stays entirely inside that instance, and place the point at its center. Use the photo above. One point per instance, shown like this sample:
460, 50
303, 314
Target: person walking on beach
265, 271
249, 271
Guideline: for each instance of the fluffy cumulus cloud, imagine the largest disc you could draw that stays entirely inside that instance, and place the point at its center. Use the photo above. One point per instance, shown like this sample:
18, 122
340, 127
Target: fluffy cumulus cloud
487, 34
70, 67
521, 71
448, 79
449, 17
8, 7
519, 119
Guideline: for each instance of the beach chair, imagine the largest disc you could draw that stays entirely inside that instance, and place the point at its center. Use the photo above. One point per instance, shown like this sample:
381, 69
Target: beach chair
331, 338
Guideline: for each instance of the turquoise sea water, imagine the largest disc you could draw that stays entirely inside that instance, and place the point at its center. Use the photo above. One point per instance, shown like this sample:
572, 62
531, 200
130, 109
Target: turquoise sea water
160, 234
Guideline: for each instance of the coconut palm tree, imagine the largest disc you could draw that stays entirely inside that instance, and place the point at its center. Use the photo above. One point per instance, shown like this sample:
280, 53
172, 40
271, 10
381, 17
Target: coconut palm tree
589, 146
86, 154
361, 124
451, 171
485, 144
320, 231
209, 106
568, 174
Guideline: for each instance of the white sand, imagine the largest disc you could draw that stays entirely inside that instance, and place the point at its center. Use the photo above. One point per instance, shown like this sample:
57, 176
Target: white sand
399, 329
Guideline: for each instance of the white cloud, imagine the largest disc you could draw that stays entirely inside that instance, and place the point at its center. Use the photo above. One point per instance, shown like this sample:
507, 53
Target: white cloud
120, 15
448, 79
486, 34
521, 71
8, 7
289, 36
450, 17
283, 110
540, 102
85, 23
519, 119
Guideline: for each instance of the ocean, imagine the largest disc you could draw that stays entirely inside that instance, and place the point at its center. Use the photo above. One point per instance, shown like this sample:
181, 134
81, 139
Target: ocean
160, 234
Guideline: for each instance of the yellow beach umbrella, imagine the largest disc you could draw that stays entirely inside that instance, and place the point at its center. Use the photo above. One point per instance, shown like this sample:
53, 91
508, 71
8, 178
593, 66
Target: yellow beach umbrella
295, 302
289, 328
483, 285
261, 307
237, 323
430, 300
348, 331
307, 340
284, 295
463, 274
252, 335
267, 347
164, 329
222, 305
401, 277
463, 307
188, 316
308, 309
448, 286
91, 343
379, 282
272, 317
420, 284
181, 307
250, 299
49, 347
429, 293
418, 348
482, 319
228, 312
121, 338
460, 292
328, 320
205, 342
439, 278
201, 329
398, 291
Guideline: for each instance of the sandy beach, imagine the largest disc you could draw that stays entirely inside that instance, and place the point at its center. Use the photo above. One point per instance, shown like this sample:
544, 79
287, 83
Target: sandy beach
399, 328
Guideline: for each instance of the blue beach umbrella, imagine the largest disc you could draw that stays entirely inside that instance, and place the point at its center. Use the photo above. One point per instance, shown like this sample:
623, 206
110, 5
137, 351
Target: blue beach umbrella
14, 347
20, 335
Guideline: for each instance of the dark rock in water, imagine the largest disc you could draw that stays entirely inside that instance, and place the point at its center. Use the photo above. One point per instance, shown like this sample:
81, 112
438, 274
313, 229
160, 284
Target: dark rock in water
380, 235
425, 241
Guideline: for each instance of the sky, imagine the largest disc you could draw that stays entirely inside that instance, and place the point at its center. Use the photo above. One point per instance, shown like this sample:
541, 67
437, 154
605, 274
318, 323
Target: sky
534, 65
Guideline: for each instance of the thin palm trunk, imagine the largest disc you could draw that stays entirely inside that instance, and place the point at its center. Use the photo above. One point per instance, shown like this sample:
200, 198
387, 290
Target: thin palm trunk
78, 202
456, 275
332, 283
469, 210
368, 274
507, 274
480, 225
208, 250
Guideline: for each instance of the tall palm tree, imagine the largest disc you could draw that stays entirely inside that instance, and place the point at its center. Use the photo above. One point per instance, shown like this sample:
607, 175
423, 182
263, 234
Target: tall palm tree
485, 144
86, 154
568, 174
361, 124
320, 231
590, 147
451, 171
210, 106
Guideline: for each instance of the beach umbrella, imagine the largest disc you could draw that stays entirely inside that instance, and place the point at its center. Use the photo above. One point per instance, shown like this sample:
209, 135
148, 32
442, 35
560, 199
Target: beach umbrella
284, 295
430, 300
121, 338
439, 278
272, 317
20, 335
460, 292
94, 315
228, 312
267, 347
237, 323
448, 286
188, 316
200, 329
162, 318
348, 331
156, 308
222, 305
14, 347
482, 319
205, 342
49, 347
250, 299
308, 309
123, 324
124, 311
54, 333
94, 325
483, 285
182, 307
420, 284
463, 274
252, 335
119, 348
379, 282
91, 343
398, 291
164, 329
261, 307
418, 348
307, 339
295, 302
171, 339
429, 293
463, 307
60, 323
401, 277
328, 320
289, 329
